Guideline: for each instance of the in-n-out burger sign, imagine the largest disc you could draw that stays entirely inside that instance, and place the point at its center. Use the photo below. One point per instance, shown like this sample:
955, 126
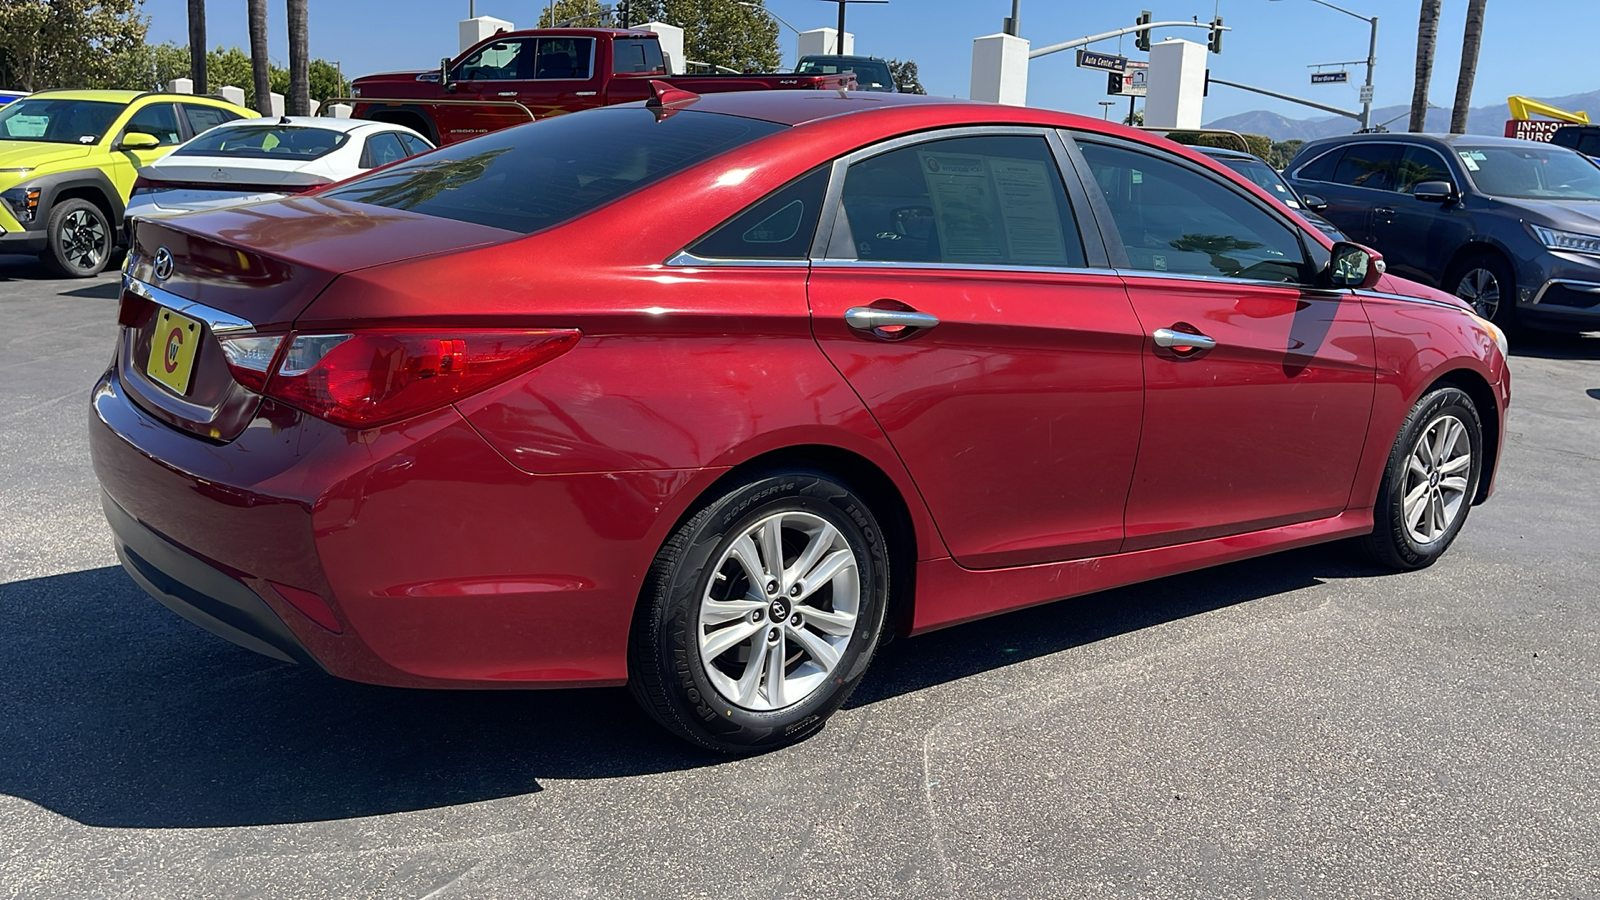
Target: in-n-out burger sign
1532, 129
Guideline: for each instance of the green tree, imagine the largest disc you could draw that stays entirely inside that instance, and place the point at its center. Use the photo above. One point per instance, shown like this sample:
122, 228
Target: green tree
905, 76
719, 32
577, 14
148, 67
66, 43
1136, 118
1284, 151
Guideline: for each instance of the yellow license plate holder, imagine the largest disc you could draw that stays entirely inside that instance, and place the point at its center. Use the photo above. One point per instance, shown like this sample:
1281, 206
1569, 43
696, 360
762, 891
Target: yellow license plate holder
172, 350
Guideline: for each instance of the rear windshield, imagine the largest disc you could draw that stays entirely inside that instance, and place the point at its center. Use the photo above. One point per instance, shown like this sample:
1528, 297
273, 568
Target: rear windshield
1263, 177
265, 142
544, 173
870, 73
1535, 172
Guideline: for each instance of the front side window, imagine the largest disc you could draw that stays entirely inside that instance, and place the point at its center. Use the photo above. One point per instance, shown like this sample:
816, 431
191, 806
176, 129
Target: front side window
271, 141
1369, 166
57, 121
499, 61
529, 179
564, 58
159, 120
1174, 219
1419, 165
780, 226
990, 200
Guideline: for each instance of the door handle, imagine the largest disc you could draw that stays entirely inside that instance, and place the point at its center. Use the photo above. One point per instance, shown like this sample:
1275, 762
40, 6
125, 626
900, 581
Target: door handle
1166, 337
865, 318
1384, 211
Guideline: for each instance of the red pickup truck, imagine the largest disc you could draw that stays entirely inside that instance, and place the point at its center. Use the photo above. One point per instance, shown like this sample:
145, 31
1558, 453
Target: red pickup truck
516, 76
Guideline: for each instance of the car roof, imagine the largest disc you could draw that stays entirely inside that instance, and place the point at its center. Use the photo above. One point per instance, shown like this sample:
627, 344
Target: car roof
326, 123
126, 97
1425, 138
800, 107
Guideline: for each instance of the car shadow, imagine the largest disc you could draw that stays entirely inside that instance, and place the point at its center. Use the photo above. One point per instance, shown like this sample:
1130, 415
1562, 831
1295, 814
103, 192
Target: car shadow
102, 290
1556, 345
119, 714
1594, 393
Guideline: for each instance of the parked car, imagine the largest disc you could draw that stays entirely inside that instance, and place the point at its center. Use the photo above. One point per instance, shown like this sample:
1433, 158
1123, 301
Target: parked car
1267, 178
8, 96
872, 73
516, 76
1511, 226
1583, 138
265, 159
710, 396
67, 161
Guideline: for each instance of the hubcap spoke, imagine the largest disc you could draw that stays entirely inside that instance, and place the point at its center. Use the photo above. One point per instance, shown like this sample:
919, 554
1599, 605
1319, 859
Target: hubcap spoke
833, 622
824, 654
725, 639
776, 653
715, 612
835, 563
1438, 477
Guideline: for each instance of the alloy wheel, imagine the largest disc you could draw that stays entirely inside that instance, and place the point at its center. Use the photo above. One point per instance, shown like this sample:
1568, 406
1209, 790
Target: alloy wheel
1480, 288
1437, 477
779, 611
83, 239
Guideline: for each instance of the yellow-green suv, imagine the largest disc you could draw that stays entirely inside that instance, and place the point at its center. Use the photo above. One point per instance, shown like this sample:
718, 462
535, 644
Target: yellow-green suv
68, 160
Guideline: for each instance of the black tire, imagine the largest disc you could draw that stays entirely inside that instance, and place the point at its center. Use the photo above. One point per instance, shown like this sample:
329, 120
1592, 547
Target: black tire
1468, 282
80, 239
667, 674
1392, 543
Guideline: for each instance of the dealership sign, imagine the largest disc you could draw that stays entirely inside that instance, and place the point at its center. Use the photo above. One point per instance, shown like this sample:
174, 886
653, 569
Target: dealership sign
1105, 62
1532, 129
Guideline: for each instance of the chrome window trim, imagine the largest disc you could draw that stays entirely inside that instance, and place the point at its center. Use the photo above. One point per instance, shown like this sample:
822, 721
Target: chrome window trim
957, 267
216, 320
1145, 274
1386, 295
1587, 287
685, 259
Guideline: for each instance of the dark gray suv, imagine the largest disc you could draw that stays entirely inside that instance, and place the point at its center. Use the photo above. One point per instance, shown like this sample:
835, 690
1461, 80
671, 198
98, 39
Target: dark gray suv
1512, 227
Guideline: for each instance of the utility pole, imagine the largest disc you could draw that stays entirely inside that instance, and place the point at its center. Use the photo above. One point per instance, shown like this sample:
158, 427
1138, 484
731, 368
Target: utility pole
1013, 24
838, 41
1372, 61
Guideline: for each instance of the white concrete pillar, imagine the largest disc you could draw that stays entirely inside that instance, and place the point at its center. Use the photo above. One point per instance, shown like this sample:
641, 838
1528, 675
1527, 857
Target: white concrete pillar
671, 40
277, 104
820, 42
472, 31
180, 86
1177, 85
315, 106
234, 95
1000, 69
341, 110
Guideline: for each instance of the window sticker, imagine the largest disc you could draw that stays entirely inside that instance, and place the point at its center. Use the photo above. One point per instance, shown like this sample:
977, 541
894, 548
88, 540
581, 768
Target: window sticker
977, 200
1470, 158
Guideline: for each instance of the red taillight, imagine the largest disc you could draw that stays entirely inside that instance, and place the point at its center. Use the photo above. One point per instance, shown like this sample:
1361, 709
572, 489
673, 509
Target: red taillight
365, 379
250, 357
143, 185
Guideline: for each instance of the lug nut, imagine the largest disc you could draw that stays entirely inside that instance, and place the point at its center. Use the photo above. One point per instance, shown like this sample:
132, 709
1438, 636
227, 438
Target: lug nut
794, 590
755, 615
772, 587
795, 620
772, 636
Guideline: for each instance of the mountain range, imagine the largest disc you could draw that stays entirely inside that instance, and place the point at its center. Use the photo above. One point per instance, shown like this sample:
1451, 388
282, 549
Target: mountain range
1480, 119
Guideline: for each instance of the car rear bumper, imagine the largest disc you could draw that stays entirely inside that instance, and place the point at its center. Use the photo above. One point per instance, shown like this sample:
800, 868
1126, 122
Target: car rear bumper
413, 555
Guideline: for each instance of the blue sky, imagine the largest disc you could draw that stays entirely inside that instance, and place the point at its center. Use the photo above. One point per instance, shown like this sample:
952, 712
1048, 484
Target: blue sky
1535, 47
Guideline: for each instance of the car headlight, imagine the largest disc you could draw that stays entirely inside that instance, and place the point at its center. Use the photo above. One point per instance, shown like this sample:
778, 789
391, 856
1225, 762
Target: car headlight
1570, 241
1496, 332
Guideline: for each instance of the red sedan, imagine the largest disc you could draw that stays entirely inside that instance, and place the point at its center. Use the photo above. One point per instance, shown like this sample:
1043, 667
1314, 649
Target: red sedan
708, 395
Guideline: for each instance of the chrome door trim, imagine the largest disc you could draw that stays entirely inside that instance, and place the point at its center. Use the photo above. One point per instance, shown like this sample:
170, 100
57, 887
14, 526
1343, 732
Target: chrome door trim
685, 259
216, 320
957, 267
1145, 274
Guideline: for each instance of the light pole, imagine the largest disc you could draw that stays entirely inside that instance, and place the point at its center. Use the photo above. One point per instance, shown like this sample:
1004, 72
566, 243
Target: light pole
1372, 60
838, 40
1106, 111
776, 17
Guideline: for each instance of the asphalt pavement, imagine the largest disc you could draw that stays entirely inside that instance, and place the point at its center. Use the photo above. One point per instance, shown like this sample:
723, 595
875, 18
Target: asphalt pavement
1294, 726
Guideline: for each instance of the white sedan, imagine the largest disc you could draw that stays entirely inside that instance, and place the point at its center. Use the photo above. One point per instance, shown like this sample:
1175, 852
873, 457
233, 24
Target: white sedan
265, 159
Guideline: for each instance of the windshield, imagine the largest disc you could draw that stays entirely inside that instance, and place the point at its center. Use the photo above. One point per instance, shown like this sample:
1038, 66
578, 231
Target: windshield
57, 121
1263, 177
265, 142
545, 173
1534, 172
871, 74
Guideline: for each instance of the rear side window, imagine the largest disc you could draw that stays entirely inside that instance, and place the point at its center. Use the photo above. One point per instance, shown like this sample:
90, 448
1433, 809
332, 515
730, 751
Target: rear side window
159, 120
564, 58
414, 144
528, 179
992, 200
781, 226
634, 56
1321, 168
272, 141
382, 149
1369, 166
205, 118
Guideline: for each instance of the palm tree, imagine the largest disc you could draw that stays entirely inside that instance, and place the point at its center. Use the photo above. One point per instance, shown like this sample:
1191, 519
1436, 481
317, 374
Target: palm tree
1469, 65
197, 45
260, 65
299, 59
1427, 40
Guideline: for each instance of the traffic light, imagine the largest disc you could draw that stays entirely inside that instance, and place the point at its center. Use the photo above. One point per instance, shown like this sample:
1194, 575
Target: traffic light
1141, 38
1216, 35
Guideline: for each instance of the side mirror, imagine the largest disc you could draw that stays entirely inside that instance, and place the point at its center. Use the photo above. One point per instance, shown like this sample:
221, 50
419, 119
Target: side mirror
1434, 192
138, 140
1313, 202
444, 74
1354, 266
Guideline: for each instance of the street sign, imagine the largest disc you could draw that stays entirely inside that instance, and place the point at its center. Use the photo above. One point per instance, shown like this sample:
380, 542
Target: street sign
1133, 83
1532, 129
1105, 62
1330, 77
1366, 93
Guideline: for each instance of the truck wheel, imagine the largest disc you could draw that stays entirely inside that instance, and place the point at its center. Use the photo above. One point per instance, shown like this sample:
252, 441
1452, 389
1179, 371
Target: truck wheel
761, 613
79, 237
